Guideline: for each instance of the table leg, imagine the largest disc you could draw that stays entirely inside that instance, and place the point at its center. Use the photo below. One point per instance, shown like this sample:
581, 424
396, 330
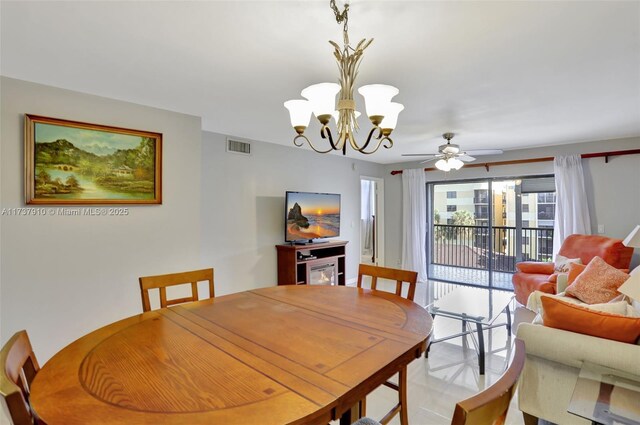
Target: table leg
465, 344
426, 352
351, 415
508, 311
480, 348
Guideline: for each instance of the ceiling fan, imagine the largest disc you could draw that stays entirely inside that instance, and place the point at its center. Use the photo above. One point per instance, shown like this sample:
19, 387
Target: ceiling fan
450, 157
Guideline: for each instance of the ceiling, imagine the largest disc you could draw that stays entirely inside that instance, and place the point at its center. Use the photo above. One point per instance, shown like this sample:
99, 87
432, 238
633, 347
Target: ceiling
504, 74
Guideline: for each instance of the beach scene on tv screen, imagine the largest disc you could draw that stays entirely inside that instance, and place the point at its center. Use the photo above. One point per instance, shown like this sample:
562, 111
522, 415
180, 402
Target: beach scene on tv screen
312, 215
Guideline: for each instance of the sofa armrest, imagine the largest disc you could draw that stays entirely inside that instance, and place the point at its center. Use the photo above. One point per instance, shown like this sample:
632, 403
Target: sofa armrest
572, 349
535, 267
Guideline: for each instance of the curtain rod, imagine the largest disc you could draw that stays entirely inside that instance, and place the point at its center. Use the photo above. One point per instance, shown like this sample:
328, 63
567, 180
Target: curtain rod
486, 165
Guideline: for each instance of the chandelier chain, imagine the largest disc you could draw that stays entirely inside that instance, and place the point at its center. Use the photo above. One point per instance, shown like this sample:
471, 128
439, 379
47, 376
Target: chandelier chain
342, 17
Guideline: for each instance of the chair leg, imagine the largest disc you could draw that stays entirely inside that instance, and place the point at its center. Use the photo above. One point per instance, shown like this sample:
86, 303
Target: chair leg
402, 394
529, 419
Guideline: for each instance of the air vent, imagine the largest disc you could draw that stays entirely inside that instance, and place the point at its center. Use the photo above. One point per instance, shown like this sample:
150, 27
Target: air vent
236, 146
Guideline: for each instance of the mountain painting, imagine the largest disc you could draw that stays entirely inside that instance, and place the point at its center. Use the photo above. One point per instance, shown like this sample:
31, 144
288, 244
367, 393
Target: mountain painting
76, 163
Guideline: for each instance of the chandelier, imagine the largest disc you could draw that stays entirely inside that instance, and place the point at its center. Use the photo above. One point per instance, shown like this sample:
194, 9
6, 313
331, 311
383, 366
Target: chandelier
320, 99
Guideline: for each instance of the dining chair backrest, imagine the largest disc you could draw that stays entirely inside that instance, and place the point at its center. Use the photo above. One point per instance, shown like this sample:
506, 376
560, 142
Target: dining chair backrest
161, 282
491, 405
19, 367
399, 276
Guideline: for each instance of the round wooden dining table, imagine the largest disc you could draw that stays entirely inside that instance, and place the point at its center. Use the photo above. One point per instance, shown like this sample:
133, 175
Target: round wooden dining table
277, 355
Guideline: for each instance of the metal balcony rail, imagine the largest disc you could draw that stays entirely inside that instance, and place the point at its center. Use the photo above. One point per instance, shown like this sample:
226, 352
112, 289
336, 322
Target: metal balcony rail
468, 246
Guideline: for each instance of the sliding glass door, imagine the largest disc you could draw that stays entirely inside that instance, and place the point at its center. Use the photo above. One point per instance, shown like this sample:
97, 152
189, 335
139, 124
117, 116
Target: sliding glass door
480, 229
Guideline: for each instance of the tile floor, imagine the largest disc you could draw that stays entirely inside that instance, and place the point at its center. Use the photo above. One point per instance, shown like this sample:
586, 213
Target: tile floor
449, 374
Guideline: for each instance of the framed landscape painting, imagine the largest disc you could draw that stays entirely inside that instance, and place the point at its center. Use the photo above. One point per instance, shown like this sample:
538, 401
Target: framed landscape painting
69, 162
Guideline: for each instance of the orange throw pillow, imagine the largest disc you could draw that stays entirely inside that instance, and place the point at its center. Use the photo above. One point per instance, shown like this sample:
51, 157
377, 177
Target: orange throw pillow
575, 269
575, 318
598, 283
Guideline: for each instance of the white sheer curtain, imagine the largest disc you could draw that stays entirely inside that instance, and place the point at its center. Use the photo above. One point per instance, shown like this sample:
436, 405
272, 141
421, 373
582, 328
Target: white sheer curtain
572, 210
414, 222
366, 213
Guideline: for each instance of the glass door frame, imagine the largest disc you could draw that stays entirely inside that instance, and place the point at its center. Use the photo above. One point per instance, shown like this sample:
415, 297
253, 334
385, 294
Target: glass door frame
489, 180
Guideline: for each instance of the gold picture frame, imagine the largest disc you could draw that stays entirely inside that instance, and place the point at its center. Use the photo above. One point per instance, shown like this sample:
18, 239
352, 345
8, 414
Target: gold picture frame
76, 163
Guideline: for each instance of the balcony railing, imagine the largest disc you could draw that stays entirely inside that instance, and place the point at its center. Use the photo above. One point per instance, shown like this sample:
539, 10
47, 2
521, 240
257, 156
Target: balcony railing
468, 246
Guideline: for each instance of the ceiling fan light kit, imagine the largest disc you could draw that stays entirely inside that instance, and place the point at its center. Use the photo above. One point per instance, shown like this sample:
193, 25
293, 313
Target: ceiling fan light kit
450, 157
320, 99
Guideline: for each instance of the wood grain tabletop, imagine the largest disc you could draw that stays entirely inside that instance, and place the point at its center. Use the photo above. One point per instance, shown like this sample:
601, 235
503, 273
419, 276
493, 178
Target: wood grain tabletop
277, 355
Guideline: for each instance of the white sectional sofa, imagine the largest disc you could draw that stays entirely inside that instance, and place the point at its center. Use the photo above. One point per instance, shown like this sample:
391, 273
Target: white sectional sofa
554, 358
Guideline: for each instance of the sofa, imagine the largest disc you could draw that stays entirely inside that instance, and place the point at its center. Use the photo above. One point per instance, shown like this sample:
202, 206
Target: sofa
553, 361
533, 276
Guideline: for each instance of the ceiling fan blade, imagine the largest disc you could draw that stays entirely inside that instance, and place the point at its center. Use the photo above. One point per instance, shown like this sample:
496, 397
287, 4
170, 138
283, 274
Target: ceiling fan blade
430, 159
421, 154
466, 158
480, 152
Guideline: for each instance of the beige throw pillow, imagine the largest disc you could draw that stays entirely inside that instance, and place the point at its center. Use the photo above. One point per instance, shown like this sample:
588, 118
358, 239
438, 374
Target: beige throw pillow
561, 265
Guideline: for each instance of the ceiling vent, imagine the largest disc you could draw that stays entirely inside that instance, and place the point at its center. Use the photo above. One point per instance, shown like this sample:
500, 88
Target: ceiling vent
239, 147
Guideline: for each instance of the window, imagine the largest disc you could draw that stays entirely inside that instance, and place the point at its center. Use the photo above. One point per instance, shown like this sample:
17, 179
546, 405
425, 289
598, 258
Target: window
482, 211
546, 211
547, 198
480, 196
499, 222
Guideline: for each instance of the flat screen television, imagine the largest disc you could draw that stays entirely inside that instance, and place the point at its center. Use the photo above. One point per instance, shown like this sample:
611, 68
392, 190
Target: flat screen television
310, 216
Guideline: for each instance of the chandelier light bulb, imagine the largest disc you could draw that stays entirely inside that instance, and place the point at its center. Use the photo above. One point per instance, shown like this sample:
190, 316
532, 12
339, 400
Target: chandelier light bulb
391, 115
299, 112
377, 98
322, 98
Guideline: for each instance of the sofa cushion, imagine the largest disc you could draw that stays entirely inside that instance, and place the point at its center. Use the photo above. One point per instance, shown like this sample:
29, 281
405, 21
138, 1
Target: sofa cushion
572, 317
535, 304
598, 283
588, 247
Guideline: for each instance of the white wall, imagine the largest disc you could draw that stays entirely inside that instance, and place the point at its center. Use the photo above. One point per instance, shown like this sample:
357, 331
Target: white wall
243, 206
61, 277
64, 276
613, 189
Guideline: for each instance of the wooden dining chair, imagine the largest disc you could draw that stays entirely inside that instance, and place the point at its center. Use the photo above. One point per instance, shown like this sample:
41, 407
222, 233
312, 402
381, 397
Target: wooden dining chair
400, 276
19, 367
491, 405
163, 281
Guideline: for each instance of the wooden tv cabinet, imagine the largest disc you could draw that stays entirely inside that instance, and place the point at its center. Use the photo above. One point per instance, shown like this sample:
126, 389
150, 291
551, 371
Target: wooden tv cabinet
294, 271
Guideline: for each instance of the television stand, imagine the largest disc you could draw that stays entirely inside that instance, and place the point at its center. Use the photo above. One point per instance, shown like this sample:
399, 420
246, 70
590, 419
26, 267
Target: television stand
295, 267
